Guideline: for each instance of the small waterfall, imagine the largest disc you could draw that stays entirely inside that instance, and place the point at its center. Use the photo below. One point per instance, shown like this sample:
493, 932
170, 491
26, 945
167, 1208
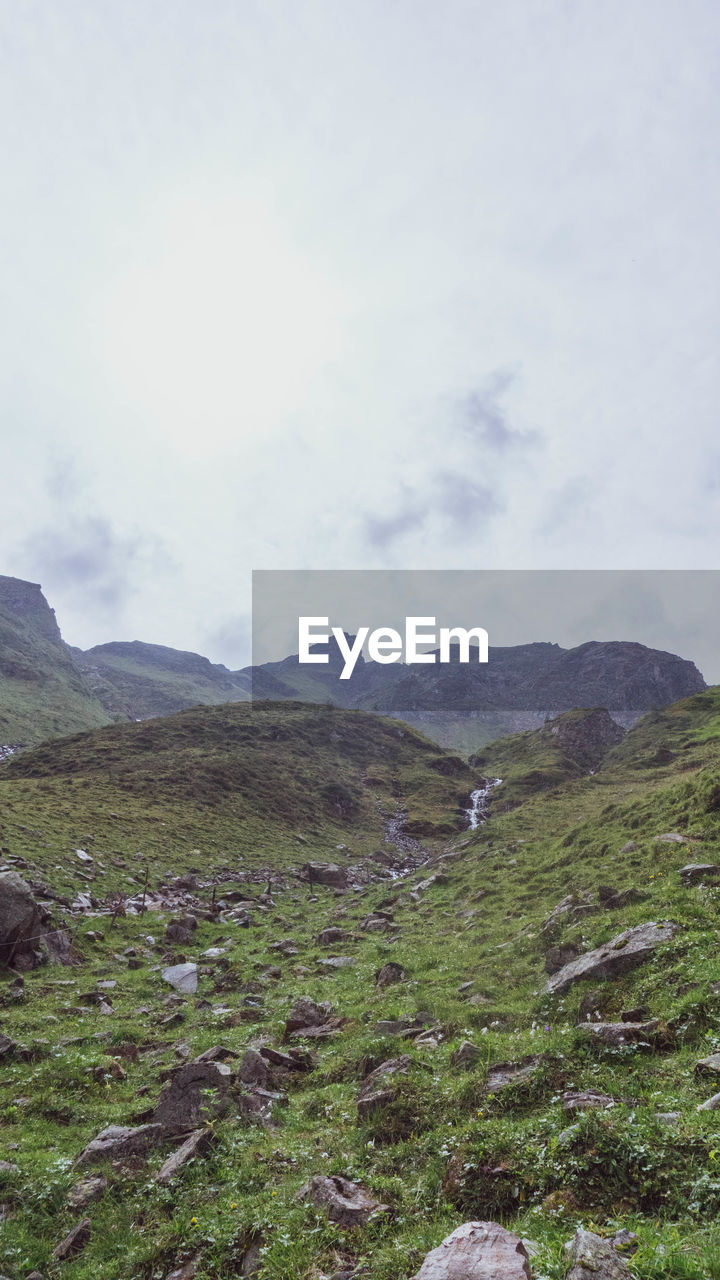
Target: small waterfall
480, 803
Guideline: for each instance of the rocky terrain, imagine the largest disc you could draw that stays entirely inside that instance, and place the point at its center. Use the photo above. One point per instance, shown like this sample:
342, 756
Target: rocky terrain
296, 1040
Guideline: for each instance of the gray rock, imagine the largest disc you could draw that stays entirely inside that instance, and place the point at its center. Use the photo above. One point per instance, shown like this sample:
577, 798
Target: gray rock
504, 1074
295, 1060
183, 977
197, 1093
586, 1100
196, 1144
671, 837
466, 1056
477, 1251
328, 873
344, 1202
86, 1191
8, 1167
181, 930
593, 1258
698, 872
74, 1241
709, 1065
389, 974
306, 1013
253, 1068
337, 962
711, 1104
328, 937
117, 1142
557, 957
7, 1046
374, 1092
622, 953
186, 1271
20, 922
615, 1034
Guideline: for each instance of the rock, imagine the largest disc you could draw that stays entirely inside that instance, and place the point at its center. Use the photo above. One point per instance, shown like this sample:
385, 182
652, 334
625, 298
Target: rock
295, 1060
7, 1046
671, 837
593, 1258
196, 1144
428, 883
712, 1104
181, 930
117, 1142
557, 957
188, 1101
709, 1065
20, 923
373, 1094
569, 908
306, 1013
629, 847
253, 1068
337, 962
186, 1271
344, 1202
477, 1251
615, 1034
466, 1056
585, 1100
86, 1191
328, 937
379, 922
328, 873
74, 1242
183, 977
504, 1074
286, 947
389, 974
8, 1167
697, 872
622, 953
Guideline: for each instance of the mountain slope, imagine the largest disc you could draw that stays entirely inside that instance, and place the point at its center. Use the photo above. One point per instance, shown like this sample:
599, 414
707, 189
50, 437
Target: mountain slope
135, 680
42, 694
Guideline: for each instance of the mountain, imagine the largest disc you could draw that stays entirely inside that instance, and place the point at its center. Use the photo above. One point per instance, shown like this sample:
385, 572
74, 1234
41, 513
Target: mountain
134, 680
466, 705
42, 692
287, 1044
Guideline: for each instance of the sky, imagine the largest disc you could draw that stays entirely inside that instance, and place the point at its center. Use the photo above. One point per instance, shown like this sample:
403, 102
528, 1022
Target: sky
385, 284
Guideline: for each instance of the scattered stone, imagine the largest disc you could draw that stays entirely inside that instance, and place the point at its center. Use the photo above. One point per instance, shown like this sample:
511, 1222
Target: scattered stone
253, 1068
712, 1104
134, 962
586, 1100
295, 1060
287, 947
328, 937
337, 962
181, 930
671, 837
328, 873
8, 1167
629, 847
86, 1191
374, 1094
7, 1046
477, 1251
118, 1142
344, 1202
183, 977
709, 1065
389, 974
504, 1074
697, 872
615, 1034
622, 953
186, 1102
305, 1013
20, 923
593, 1258
466, 1056
74, 1241
186, 1271
196, 1144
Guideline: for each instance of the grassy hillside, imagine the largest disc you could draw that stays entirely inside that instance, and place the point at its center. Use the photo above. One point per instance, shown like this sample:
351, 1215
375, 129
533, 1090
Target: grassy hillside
448, 1142
42, 694
135, 680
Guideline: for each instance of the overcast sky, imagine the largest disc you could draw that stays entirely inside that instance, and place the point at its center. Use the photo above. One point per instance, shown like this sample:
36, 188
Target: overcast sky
379, 283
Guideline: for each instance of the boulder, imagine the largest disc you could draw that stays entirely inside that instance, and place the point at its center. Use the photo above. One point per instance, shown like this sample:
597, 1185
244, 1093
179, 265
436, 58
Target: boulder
197, 1093
20, 923
253, 1068
117, 1142
328, 937
504, 1074
374, 1093
466, 1056
698, 873
337, 962
86, 1191
181, 930
477, 1251
389, 974
622, 953
74, 1241
344, 1202
615, 1034
328, 873
712, 1104
183, 977
557, 957
306, 1013
709, 1065
593, 1258
196, 1144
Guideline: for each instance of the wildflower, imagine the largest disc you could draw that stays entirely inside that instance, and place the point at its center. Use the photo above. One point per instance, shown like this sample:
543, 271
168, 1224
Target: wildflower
193, 1222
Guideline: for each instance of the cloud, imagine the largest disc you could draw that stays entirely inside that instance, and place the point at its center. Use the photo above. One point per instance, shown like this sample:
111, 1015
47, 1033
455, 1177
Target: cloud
89, 557
382, 531
481, 416
232, 638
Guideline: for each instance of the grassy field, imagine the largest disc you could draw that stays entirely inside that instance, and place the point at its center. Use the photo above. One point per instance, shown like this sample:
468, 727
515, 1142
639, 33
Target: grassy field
217, 790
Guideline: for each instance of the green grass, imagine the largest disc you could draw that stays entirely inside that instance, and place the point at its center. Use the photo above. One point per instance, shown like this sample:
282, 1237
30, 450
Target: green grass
443, 1151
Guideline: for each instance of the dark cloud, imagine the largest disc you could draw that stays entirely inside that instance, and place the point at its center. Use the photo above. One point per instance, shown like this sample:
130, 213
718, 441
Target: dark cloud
90, 557
382, 531
481, 416
465, 501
